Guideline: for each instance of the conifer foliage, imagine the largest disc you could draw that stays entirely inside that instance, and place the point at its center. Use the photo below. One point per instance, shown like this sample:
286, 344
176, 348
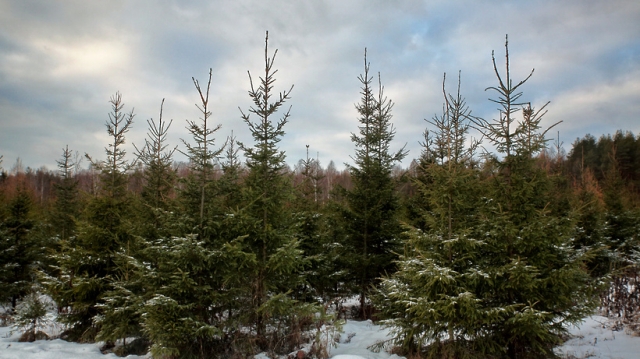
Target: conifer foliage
538, 277
88, 261
434, 298
66, 208
270, 238
159, 175
201, 154
502, 279
19, 250
372, 205
180, 291
114, 168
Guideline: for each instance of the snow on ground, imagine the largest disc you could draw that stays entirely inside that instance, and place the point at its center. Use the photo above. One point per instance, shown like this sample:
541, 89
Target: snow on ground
357, 337
10, 348
592, 339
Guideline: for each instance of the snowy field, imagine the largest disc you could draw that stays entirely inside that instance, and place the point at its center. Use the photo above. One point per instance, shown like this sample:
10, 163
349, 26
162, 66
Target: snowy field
592, 339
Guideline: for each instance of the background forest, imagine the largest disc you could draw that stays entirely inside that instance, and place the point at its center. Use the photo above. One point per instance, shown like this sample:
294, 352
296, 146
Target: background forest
484, 247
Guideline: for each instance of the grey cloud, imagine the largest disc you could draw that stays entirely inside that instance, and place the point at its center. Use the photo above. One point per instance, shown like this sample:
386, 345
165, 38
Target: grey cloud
60, 62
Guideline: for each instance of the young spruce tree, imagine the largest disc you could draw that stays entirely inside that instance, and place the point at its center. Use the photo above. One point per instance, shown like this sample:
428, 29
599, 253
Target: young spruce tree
312, 230
87, 262
538, 285
66, 209
200, 185
272, 312
158, 160
432, 301
496, 276
372, 205
122, 305
159, 177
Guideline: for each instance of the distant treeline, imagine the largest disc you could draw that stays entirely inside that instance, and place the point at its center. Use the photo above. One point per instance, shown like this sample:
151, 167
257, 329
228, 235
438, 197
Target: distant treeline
610, 154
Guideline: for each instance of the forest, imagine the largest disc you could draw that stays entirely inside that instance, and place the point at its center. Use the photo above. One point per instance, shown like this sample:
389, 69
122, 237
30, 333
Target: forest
467, 253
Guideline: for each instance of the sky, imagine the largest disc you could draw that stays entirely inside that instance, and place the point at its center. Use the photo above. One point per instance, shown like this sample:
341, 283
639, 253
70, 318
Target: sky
61, 61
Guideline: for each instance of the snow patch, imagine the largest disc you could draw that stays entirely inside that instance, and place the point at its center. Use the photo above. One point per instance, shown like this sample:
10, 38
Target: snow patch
591, 339
594, 338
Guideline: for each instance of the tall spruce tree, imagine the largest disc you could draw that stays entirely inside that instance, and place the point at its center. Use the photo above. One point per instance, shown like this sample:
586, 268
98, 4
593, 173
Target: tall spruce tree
432, 301
189, 289
538, 279
279, 261
87, 262
372, 205
186, 287
122, 304
205, 289
498, 275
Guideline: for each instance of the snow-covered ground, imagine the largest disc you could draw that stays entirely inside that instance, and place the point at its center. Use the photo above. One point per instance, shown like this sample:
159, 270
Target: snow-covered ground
357, 337
592, 340
10, 348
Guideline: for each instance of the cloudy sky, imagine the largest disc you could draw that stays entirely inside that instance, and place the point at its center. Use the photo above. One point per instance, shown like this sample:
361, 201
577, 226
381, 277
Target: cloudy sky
60, 61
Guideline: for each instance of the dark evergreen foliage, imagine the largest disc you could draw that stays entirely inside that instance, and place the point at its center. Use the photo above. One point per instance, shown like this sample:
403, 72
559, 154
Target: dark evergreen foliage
371, 216
158, 190
230, 182
159, 175
87, 261
195, 299
19, 250
271, 238
66, 208
435, 299
537, 275
494, 276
